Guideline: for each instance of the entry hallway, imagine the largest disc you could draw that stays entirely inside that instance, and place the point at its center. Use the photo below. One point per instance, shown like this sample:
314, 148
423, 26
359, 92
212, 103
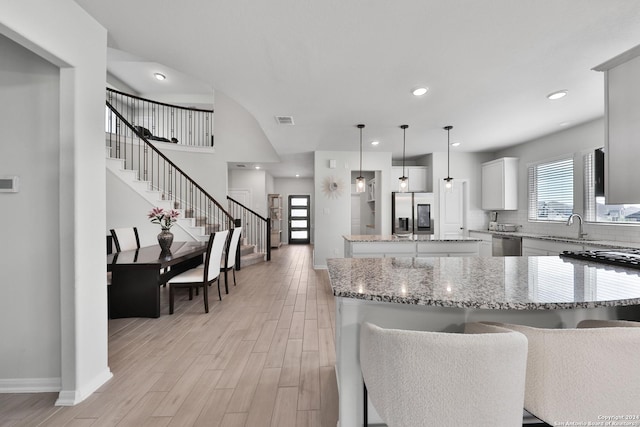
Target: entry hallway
263, 356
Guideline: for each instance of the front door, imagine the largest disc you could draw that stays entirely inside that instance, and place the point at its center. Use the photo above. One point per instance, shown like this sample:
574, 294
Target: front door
299, 219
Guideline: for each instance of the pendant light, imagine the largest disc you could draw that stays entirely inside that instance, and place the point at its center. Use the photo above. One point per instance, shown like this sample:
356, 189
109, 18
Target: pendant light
448, 184
403, 181
360, 181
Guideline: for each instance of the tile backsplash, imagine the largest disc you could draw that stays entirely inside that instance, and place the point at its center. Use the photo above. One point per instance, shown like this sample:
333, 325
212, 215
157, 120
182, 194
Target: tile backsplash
615, 232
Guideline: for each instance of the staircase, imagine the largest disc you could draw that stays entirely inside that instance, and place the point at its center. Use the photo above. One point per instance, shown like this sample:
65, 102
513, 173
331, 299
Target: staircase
132, 122
198, 227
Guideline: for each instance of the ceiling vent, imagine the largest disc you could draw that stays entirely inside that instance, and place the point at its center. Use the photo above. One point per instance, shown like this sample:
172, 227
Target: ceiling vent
241, 166
284, 120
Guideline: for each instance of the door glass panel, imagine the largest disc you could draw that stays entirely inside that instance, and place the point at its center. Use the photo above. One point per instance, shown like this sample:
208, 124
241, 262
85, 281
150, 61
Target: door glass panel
299, 212
299, 201
299, 234
298, 223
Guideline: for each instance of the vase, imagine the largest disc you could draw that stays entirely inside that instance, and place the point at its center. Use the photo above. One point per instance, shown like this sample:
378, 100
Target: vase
165, 238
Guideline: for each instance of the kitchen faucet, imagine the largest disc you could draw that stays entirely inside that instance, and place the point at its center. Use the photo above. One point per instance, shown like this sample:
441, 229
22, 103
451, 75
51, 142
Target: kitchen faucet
581, 233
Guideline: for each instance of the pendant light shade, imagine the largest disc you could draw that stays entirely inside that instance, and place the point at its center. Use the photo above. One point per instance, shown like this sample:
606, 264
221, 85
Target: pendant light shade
403, 181
360, 181
448, 184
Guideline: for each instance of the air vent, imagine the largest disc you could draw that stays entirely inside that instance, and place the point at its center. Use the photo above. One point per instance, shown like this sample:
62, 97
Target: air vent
241, 166
284, 120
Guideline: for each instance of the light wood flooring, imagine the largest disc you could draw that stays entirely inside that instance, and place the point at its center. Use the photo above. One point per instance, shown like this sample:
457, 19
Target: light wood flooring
263, 356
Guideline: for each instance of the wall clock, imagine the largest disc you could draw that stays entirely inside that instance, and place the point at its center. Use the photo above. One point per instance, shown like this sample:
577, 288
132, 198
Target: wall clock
332, 187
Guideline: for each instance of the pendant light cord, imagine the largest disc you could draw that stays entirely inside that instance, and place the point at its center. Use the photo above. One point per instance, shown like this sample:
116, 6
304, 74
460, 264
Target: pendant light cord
404, 145
360, 127
448, 129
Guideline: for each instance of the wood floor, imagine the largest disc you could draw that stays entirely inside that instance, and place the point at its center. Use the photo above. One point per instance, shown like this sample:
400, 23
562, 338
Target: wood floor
263, 356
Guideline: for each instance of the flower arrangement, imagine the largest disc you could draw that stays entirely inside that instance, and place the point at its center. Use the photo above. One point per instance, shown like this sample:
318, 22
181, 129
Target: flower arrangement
164, 218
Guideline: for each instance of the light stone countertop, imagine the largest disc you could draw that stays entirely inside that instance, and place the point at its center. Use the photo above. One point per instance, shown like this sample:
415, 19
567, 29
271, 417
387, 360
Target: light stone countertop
585, 242
414, 238
518, 283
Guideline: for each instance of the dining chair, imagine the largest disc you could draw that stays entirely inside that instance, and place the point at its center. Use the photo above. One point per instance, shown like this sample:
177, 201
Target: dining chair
581, 374
416, 378
203, 275
125, 239
229, 262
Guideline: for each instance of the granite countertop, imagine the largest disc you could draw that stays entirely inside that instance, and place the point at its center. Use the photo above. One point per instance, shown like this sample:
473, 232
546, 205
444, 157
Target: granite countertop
585, 242
517, 283
413, 238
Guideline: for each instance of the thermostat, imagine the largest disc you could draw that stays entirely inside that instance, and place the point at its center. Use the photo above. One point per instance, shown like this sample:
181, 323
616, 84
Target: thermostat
8, 184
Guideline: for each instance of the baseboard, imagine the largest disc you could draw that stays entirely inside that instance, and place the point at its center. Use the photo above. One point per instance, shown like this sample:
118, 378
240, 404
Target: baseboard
30, 385
73, 397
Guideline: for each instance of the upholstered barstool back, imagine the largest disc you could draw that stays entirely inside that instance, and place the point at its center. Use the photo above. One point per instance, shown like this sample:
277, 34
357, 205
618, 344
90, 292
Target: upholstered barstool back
417, 378
579, 375
125, 239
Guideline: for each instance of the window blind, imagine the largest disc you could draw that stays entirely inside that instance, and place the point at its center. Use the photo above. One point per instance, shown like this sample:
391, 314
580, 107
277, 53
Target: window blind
551, 190
589, 188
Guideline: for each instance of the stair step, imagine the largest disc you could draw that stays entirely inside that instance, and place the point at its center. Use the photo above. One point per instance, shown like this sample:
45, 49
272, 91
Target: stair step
251, 259
247, 249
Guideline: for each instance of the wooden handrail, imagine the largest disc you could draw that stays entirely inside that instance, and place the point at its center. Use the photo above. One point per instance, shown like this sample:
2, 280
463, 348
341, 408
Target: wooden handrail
159, 103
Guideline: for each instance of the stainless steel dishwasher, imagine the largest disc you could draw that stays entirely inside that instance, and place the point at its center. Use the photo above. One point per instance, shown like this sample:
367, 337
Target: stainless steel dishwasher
502, 245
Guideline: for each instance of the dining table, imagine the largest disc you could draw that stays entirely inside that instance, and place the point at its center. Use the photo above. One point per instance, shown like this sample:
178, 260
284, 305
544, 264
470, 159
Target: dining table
138, 274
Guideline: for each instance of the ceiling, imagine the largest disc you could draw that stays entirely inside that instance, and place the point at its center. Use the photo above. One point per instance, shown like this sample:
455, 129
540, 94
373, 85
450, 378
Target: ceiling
332, 64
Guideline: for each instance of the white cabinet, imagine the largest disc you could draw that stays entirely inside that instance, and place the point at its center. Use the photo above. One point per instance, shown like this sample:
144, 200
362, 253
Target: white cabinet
622, 127
500, 184
435, 248
537, 247
486, 243
419, 177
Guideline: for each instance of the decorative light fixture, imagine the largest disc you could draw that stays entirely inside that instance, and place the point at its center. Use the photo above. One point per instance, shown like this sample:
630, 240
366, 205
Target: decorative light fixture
448, 184
360, 181
159, 76
403, 181
557, 95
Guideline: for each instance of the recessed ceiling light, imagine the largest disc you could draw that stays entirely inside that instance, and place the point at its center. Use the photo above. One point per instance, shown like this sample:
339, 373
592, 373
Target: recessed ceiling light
159, 76
257, 167
297, 175
564, 124
557, 95
419, 91
455, 144
375, 142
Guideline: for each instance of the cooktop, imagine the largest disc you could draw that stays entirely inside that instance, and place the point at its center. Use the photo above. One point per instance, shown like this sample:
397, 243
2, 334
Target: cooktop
620, 257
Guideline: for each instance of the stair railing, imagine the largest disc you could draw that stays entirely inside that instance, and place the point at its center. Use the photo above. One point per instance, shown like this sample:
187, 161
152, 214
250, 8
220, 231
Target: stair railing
256, 229
127, 143
163, 122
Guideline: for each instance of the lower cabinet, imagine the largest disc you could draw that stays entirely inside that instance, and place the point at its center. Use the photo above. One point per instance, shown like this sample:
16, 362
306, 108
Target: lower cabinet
537, 247
486, 246
410, 249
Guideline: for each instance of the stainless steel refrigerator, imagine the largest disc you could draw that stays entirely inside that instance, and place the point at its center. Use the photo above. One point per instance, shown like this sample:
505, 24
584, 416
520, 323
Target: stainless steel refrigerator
412, 213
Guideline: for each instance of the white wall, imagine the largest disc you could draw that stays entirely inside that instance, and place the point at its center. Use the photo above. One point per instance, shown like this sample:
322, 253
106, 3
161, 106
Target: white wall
79, 50
298, 187
333, 215
126, 208
30, 326
238, 135
574, 142
255, 181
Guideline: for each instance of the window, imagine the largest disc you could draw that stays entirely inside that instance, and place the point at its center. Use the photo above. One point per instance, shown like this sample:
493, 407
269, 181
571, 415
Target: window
596, 208
551, 190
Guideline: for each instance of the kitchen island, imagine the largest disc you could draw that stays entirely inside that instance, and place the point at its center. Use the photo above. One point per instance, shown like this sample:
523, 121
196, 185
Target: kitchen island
421, 245
441, 294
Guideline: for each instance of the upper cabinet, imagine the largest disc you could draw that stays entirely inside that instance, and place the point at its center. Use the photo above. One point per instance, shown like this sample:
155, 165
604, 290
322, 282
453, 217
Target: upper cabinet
500, 184
419, 178
622, 126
